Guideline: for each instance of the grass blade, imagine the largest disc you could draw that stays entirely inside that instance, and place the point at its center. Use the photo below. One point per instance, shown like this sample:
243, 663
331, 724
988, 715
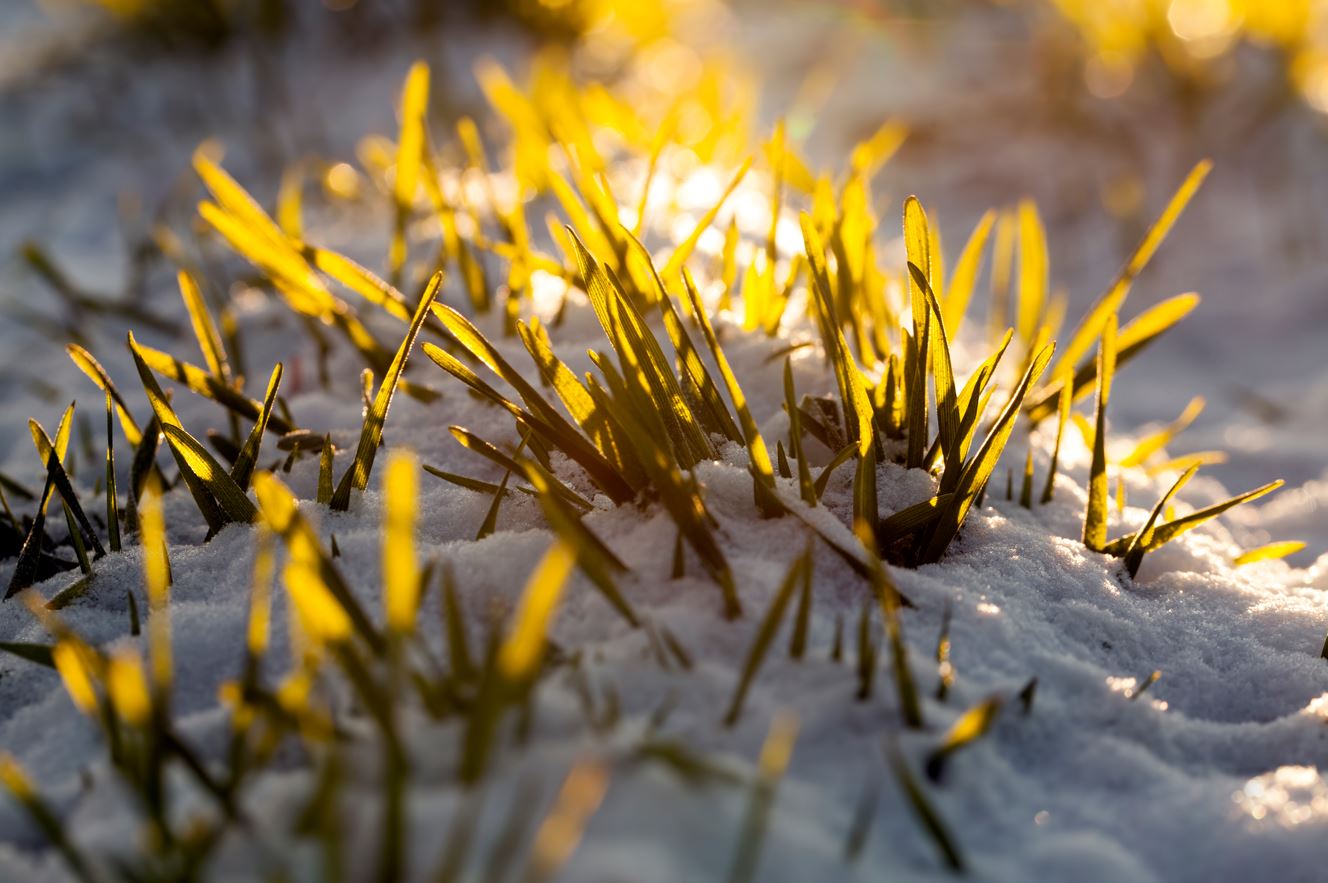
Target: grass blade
1095, 518
1269, 552
356, 476
765, 633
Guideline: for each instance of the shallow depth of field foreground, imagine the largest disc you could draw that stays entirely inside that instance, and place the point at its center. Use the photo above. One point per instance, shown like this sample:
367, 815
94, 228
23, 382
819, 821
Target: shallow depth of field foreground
665, 440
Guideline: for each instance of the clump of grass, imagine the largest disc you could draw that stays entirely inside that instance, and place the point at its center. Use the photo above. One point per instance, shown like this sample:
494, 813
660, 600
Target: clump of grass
663, 400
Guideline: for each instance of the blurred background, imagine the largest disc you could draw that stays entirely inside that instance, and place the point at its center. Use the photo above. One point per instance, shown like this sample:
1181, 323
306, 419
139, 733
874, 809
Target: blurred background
1094, 108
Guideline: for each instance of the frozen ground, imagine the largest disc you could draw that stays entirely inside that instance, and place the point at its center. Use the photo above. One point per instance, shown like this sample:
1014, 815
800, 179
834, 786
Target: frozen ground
1216, 773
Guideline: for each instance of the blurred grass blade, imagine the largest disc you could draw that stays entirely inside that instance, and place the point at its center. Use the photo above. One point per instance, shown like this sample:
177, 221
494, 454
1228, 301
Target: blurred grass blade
1269, 552
765, 633
971, 726
922, 809
205, 330
91, 367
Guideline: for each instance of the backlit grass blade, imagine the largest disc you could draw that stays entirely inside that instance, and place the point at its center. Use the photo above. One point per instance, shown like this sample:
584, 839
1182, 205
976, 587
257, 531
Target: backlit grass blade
1150, 444
523, 648
685, 248
681, 497
596, 423
1168, 531
542, 418
1095, 518
1132, 339
1134, 555
16, 781
59, 479
841, 457
91, 367
489, 451
205, 330
361, 281
243, 469
756, 449
410, 153
979, 469
401, 572
641, 359
971, 726
765, 633
1090, 327
356, 476
189, 464
947, 405
313, 564
202, 383
711, 409
212, 474
458, 645
776, 752
1269, 552
1033, 279
561, 831
910, 519
852, 391
965, 276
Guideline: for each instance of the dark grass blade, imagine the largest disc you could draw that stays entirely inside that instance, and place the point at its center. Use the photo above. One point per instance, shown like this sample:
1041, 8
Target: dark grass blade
1095, 518
243, 470
765, 634
356, 476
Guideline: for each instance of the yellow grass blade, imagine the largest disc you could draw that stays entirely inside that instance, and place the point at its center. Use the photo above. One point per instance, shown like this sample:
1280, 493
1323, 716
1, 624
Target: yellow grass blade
1269, 552
401, 578
523, 648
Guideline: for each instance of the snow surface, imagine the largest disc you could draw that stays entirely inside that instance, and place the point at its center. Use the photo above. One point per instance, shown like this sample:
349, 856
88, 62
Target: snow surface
1216, 773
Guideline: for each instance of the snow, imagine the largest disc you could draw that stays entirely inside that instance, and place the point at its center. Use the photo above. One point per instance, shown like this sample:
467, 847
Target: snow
1215, 773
